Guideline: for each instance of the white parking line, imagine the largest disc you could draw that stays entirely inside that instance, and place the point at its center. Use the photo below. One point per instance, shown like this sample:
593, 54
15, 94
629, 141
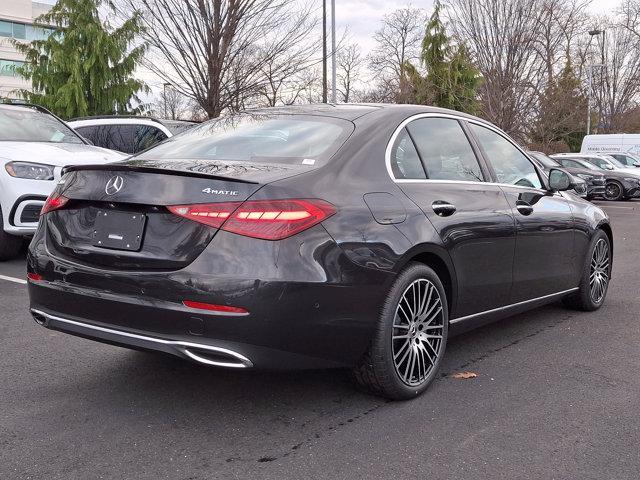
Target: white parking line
14, 280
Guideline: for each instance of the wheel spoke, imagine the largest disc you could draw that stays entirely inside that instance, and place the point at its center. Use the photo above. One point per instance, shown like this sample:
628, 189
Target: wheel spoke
416, 352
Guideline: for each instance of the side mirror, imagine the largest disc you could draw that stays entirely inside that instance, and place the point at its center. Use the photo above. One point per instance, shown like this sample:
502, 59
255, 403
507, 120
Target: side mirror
559, 180
608, 167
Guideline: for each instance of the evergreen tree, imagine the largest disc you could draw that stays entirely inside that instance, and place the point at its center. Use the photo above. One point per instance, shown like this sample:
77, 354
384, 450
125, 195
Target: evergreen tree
451, 80
561, 122
85, 67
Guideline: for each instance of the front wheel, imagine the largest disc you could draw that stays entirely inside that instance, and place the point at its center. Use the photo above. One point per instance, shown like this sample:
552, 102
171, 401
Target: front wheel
409, 343
613, 191
596, 275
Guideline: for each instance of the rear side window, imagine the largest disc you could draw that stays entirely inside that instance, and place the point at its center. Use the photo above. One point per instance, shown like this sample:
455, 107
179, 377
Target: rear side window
405, 162
114, 137
570, 163
445, 150
510, 164
147, 136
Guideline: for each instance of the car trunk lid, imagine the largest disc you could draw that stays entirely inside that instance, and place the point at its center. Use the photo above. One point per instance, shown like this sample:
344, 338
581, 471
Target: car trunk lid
117, 214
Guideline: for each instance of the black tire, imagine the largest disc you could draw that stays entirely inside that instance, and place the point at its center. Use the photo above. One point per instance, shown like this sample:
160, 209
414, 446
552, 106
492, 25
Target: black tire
10, 245
613, 191
584, 299
378, 371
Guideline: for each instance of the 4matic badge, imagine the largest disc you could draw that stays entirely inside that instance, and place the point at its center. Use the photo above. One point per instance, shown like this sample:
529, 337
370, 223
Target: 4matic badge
212, 191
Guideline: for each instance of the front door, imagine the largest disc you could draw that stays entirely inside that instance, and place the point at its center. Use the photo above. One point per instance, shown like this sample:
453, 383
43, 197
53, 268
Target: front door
438, 169
543, 262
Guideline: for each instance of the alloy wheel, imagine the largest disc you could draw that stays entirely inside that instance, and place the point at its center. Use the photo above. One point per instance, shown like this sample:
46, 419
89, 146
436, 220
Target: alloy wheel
417, 332
599, 272
612, 191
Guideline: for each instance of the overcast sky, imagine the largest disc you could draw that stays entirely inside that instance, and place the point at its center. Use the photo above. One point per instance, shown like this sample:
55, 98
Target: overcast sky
362, 18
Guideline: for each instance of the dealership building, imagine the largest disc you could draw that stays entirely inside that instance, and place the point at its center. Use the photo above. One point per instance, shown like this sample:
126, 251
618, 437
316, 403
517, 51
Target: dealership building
16, 22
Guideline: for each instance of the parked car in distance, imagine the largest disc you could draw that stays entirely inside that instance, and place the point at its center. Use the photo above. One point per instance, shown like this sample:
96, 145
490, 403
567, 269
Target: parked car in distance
616, 142
588, 184
34, 147
128, 134
316, 236
620, 185
626, 159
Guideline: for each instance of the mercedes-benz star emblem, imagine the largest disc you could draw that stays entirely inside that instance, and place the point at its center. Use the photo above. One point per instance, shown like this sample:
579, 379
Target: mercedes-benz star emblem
114, 185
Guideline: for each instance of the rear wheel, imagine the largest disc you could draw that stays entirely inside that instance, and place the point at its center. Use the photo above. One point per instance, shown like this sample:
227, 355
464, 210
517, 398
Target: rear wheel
9, 244
407, 349
613, 191
596, 275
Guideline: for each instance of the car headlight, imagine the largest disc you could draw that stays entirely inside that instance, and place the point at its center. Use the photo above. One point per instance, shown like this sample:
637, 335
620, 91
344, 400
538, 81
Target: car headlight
585, 176
31, 171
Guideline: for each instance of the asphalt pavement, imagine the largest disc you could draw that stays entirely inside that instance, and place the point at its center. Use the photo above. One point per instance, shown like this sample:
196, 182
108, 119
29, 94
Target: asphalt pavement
557, 396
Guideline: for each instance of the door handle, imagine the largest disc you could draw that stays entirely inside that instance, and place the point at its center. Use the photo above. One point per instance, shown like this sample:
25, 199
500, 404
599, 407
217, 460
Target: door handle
442, 208
524, 208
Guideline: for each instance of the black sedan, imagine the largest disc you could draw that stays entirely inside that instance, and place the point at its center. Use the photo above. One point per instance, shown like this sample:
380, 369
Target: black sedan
595, 181
316, 236
620, 185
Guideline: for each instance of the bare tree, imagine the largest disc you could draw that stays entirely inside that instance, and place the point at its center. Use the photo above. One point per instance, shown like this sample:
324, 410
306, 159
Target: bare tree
559, 25
502, 36
630, 12
214, 51
617, 85
349, 64
397, 42
171, 104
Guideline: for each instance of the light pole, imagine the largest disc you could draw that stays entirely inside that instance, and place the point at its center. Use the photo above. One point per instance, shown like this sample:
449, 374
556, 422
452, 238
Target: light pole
324, 51
590, 68
334, 74
167, 84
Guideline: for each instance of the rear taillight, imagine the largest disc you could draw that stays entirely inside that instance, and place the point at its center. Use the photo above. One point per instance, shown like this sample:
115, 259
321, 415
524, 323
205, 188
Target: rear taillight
265, 219
54, 202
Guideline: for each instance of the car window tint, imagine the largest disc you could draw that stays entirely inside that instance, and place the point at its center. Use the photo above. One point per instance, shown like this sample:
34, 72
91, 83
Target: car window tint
405, 162
114, 137
259, 137
147, 136
445, 149
599, 162
570, 163
509, 163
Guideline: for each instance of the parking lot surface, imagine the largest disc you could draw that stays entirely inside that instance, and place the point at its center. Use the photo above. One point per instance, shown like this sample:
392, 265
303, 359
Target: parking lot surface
557, 396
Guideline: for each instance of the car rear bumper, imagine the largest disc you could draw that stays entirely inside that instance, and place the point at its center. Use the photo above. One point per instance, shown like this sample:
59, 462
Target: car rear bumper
311, 309
199, 352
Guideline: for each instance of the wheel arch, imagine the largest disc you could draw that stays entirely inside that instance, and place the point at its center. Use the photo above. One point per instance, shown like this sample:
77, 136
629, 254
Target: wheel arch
606, 228
438, 259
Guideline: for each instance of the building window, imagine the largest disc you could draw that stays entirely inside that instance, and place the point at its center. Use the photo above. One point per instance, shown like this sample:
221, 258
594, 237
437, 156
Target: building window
8, 67
22, 31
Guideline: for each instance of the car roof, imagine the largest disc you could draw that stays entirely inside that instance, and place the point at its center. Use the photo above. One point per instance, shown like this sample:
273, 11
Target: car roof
353, 111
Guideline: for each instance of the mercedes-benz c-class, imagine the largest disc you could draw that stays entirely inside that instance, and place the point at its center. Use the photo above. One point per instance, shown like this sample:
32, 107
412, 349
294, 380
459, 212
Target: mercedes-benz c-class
356, 236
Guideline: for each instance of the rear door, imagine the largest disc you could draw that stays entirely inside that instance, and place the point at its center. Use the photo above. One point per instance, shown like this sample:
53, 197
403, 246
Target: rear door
544, 261
436, 166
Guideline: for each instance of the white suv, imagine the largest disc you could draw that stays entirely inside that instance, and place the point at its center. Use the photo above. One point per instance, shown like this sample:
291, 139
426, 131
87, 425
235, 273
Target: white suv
34, 147
127, 134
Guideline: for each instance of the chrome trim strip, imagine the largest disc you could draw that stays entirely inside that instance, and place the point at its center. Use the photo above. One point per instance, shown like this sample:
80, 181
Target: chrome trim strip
387, 155
507, 307
182, 347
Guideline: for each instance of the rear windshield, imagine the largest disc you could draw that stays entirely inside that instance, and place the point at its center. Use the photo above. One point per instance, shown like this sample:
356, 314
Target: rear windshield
261, 138
176, 127
21, 124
